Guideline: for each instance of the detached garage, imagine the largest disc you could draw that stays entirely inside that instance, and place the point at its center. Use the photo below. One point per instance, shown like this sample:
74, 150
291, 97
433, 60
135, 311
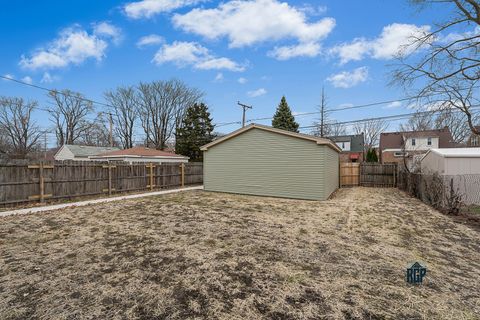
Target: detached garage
261, 160
451, 161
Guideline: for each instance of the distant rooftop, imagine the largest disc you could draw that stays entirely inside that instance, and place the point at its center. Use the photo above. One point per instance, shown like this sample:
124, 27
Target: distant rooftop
86, 151
140, 152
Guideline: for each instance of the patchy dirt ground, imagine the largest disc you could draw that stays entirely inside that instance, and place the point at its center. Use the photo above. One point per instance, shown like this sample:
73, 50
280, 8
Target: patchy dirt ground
219, 256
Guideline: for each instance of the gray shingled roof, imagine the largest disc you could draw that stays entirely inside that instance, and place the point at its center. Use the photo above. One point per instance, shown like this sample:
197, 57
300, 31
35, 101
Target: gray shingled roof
85, 151
356, 141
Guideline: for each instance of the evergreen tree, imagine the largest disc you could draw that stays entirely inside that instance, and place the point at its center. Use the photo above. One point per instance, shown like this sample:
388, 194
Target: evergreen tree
283, 118
195, 131
372, 155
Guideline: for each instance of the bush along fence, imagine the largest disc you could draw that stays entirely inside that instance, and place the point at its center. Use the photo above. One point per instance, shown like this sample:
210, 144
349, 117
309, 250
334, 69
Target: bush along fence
443, 192
40, 182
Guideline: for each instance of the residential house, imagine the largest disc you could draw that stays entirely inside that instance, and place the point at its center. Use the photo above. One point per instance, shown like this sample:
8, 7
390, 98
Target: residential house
80, 153
474, 139
410, 146
352, 147
141, 154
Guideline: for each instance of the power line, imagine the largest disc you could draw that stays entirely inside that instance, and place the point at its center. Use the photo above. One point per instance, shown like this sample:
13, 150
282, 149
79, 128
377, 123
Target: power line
372, 104
56, 91
388, 118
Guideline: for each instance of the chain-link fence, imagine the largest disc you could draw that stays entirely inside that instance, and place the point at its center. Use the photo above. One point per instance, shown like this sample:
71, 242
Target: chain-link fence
444, 192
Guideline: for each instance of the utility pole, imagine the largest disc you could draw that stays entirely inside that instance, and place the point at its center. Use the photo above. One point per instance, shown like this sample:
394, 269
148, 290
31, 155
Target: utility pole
111, 128
322, 113
245, 107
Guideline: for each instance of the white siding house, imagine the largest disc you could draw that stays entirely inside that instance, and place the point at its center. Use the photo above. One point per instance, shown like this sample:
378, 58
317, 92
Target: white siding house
80, 153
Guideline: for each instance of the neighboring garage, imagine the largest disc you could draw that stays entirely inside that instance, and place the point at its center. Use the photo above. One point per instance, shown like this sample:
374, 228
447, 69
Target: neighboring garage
451, 161
261, 160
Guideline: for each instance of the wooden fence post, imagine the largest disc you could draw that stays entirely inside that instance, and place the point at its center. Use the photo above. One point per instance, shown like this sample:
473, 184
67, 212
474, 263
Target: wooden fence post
152, 178
109, 167
41, 181
182, 170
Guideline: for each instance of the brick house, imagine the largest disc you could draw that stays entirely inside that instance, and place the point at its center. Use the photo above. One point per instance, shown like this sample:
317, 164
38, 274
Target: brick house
410, 146
352, 147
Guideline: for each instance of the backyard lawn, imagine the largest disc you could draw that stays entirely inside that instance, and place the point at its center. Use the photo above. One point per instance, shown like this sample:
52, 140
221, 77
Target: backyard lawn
220, 256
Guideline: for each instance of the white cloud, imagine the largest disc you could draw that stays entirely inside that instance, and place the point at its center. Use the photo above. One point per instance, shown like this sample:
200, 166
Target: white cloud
311, 49
150, 40
348, 79
48, 78
219, 77
105, 29
246, 23
393, 105
27, 79
392, 42
242, 80
8, 76
149, 8
73, 46
257, 93
192, 53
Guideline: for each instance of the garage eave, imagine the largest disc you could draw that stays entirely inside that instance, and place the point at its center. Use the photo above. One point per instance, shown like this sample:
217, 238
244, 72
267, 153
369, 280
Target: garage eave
319, 141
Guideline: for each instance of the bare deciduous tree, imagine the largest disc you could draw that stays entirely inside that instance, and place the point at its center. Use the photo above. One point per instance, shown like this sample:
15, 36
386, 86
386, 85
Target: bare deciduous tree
21, 132
371, 130
98, 133
125, 112
456, 122
162, 107
69, 114
420, 121
445, 62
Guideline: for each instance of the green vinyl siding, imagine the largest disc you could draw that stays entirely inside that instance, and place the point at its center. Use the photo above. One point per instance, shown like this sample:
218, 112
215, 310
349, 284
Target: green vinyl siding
261, 162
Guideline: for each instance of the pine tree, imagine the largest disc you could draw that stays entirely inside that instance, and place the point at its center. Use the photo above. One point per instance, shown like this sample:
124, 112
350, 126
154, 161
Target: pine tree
195, 131
372, 155
283, 118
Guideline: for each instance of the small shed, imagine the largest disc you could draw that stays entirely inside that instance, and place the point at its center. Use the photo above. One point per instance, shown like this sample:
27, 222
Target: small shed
261, 160
141, 154
451, 161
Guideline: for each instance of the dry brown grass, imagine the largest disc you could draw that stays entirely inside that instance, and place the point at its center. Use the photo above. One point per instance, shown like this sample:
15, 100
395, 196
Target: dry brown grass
210, 255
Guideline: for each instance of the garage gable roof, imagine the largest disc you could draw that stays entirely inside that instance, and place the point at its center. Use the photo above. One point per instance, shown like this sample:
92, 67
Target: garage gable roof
318, 140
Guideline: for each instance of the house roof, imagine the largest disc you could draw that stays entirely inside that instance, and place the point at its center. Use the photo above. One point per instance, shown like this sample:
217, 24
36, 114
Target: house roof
318, 140
356, 141
457, 152
141, 152
395, 140
86, 151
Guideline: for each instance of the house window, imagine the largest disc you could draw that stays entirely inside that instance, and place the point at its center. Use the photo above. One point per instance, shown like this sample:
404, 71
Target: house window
400, 154
429, 141
343, 145
413, 141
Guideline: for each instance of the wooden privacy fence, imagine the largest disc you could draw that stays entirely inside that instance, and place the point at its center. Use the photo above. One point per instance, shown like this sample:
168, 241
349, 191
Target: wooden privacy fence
368, 174
378, 174
21, 183
349, 174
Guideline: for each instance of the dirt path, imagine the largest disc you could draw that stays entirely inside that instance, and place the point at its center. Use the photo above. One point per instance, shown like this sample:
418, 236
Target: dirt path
219, 256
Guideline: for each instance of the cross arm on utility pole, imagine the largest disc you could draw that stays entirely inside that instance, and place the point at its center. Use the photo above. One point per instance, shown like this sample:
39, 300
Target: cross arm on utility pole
244, 107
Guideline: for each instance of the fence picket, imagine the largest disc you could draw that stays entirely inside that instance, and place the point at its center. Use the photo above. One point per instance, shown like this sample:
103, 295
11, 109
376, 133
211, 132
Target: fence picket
23, 183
